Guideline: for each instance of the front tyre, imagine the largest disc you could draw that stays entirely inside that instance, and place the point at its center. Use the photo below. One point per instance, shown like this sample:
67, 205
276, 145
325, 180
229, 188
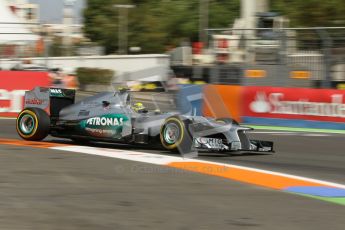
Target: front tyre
33, 124
174, 135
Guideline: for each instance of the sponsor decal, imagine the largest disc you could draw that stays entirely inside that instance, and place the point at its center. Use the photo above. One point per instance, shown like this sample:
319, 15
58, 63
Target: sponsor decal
34, 101
265, 149
261, 104
209, 143
255, 73
56, 93
314, 104
105, 121
83, 113
109, 125
274, 103
101, 132
300, 74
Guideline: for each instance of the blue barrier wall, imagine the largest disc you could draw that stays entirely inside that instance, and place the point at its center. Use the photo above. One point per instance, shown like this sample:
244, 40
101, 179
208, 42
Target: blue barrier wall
189, 99
293, 123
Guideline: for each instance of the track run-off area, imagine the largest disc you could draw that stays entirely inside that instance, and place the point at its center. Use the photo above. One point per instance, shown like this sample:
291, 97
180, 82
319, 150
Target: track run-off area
58, 185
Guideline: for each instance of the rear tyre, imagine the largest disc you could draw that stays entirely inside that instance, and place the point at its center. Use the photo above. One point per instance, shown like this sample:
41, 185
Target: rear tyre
33, 124
175, 136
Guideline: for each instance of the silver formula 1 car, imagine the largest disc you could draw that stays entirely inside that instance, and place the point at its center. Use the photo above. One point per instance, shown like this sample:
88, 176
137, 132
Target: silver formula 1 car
112, 117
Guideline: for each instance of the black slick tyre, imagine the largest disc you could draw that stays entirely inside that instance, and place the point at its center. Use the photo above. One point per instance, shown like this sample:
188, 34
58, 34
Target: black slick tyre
33, 124
175, 136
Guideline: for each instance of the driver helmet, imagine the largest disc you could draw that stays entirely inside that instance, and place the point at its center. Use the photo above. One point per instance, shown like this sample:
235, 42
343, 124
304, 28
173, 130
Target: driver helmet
138, 107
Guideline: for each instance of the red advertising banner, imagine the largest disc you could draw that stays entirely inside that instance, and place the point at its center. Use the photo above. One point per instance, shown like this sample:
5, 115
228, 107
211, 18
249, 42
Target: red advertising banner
13, 85
294, 103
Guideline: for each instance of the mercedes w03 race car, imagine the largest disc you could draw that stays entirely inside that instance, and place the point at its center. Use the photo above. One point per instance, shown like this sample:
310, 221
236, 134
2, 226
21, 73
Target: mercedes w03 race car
113, 117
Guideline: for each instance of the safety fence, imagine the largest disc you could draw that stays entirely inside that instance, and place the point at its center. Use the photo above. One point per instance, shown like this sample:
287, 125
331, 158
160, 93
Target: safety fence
289, 57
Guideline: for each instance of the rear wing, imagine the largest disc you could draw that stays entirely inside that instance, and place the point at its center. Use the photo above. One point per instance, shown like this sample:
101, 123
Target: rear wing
51, 100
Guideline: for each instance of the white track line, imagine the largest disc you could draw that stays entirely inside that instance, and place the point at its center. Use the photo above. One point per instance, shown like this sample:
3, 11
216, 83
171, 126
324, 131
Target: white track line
291, 133
159, 159
273, 132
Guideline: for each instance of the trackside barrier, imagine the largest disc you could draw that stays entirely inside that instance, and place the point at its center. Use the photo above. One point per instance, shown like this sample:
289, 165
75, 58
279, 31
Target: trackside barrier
299, 107
13, 85
278, 106
221, 101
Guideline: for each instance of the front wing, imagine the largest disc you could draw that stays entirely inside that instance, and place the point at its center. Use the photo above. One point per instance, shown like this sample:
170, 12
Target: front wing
261, 146
215, 144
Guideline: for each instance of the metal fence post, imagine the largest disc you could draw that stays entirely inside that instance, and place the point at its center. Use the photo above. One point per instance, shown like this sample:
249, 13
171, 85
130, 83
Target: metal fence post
283, 47
326, 51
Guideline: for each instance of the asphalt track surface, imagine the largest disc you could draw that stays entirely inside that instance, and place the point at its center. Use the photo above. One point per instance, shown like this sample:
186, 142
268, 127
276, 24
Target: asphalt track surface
50, 189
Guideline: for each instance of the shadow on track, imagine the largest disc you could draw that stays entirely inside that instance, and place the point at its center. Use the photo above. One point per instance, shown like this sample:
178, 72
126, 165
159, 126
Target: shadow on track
155, 150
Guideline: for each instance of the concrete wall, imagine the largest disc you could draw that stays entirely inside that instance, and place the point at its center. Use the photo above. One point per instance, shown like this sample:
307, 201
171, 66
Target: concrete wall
119, 63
